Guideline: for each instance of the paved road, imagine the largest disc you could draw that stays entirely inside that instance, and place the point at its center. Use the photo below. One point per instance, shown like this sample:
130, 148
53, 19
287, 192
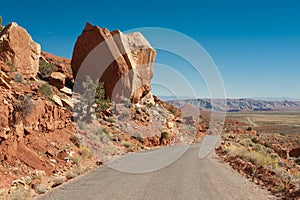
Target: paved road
187, 178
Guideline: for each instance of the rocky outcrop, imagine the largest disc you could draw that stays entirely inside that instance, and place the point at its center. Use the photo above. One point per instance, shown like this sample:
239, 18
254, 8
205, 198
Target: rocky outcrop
62, 65
4, 80
57, 79
4, 67
18, 48
123, 62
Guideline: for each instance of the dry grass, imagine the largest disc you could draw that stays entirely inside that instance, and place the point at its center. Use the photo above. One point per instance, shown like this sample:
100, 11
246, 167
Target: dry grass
281, 122
40, 188
256, 157
19, 193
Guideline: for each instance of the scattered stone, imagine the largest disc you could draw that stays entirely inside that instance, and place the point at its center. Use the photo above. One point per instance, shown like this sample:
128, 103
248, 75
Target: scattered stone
57, 100
66, 90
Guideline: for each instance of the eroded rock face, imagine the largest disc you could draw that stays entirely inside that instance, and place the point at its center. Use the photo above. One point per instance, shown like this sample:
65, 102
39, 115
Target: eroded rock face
123, 62
57, 79
18, 48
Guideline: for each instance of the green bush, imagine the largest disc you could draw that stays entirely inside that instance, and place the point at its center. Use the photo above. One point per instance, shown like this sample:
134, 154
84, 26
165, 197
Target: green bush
46, 90
138, 136
249, 128
11, 66
126, 144
164, 135
45, 68
93, 93
255, 140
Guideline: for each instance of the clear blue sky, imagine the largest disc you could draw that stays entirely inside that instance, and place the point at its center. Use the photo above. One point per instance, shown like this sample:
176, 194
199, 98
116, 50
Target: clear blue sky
255, 44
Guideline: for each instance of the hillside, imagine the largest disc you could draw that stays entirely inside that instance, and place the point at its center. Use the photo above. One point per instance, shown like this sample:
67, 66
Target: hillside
54, 127
238, 105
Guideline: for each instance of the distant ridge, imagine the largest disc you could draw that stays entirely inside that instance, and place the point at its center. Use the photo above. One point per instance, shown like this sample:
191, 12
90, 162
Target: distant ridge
239, 105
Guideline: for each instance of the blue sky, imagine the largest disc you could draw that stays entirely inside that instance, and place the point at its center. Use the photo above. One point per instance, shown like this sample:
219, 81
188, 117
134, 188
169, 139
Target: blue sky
255, 44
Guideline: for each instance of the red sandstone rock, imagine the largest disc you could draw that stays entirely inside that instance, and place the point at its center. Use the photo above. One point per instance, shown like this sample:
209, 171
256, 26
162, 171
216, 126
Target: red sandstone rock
123, 62
18, 48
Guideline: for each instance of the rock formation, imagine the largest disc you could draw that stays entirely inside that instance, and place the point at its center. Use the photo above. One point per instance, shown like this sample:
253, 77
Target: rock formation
18, 48
123, 62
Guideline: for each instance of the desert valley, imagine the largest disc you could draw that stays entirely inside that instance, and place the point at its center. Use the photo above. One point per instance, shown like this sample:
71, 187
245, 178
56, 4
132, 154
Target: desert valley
61, 118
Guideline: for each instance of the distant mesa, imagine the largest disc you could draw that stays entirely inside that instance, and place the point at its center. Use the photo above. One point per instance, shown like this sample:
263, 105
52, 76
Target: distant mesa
123, 62
238, 105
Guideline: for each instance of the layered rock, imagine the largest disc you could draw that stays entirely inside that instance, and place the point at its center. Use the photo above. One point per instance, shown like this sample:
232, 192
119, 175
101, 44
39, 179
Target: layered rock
123, 62
18, 48
57, 79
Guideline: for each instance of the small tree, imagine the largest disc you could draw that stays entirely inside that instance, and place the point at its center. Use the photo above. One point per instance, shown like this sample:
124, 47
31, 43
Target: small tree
100, 100
93, 93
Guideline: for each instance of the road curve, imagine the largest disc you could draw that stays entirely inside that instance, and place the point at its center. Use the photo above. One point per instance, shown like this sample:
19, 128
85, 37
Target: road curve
187, 178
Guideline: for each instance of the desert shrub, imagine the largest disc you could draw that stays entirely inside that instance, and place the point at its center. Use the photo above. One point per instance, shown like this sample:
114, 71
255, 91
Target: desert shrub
76, 139
99, 132
126, 102
266, 144
79, 170
85, 152
40, 188
57, 181
249, 129
125, 115
126, 144
23, 105
164, 135
172, 110
255, 140
45, 68
46, 90
109, 149
138, 136
18, 78
81, 125
19, 193
93, 93
70, 175
74, 160
257, 157
11, 66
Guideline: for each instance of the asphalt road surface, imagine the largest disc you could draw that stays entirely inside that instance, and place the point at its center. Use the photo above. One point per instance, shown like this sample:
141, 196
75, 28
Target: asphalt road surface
187, 178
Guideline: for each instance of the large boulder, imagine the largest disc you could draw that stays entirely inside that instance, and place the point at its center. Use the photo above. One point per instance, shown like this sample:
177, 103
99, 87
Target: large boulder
18, 48
123, 62
57, 79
